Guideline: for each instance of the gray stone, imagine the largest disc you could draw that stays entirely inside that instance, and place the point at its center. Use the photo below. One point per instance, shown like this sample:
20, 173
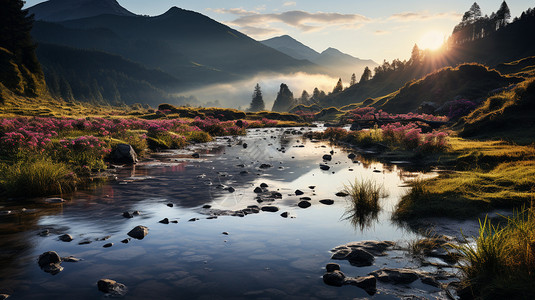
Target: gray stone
263, 185
127, 215
139, 232
284, 214
356, 256
331, 267
335, 278
164, 221
324, 167
108, 245
298, 192
270, 208
351, 156
123, 154
257, 190
65, 238
327, 157
327, 201
112, 287
342, 194
231, 189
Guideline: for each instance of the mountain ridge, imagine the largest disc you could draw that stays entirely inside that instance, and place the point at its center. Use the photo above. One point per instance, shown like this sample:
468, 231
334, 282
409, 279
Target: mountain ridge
62, 10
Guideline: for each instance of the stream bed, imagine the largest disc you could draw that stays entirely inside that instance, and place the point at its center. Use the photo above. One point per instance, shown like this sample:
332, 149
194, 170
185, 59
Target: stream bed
219, 242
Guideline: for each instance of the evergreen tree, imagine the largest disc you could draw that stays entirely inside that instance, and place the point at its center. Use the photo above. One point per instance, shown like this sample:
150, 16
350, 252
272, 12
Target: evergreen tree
338, 87
257, 104
503, 15
304, 97
316, 94
285, 99
416, 55
366, 75
15, 27
353, 80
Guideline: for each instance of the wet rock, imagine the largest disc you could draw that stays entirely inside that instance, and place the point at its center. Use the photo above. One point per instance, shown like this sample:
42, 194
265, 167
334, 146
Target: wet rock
65, 238
311, 187
231, 189
327, 201
174, 221
108, 245
335, 278
351, 156
331, 267
224, 233
327, 157
305, 198
50, 262
123, 154
138, 232
112, 287
304, 204
196, 155
85, 242
284, 214
164, 221
127, 215
298, 192
70, 259
265, 166
263, 185
170, 204
54, 200
429, 280
193, 219
324, 167
396, 275
367, 283
45, 232
207, 206
270, 208
136, 213
244, 145
276, 195
342, 194
257, 190
125, 241
376, 171
376, 248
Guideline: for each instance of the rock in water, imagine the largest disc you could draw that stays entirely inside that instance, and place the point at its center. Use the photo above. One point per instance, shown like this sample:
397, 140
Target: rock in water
127, 215
324, 167
50, 262
304, 204
327, 157
112, 287
335, 278
164, 221
139, 232
123, 154
65, 238
298, 192
331, 267
367, 283
327, 201
270, 208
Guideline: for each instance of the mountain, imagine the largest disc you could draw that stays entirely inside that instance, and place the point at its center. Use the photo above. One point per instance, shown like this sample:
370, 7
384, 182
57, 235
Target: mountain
289, 46
337, 63
61, 10
187, 45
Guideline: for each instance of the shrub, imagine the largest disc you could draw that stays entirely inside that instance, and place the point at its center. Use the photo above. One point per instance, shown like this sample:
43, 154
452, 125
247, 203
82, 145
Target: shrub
37, 178
363, 202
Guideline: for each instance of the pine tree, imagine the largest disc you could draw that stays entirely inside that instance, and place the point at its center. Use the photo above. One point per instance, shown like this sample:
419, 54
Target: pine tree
338, 87
285, 99
353, 80
304, 97
257, 104
366, 75
416, 55
15, 27
503, 15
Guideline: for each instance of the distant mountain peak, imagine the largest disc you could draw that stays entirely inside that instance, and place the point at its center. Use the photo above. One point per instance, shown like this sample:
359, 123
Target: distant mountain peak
62, 10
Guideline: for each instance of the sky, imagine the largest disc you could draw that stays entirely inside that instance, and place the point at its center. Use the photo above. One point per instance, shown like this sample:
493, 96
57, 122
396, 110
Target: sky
366, 29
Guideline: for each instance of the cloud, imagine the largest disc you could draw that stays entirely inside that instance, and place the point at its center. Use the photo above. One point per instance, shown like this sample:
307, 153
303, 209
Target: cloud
305, 21
260, 32
381, 32
234, 11
290, 3
423, 16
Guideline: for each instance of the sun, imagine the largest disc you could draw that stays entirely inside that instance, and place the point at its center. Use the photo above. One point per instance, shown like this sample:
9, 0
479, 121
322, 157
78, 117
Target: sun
431, 40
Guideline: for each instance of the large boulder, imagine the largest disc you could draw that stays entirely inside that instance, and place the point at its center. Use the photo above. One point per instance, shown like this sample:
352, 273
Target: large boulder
335, 278
50, 262
123, 154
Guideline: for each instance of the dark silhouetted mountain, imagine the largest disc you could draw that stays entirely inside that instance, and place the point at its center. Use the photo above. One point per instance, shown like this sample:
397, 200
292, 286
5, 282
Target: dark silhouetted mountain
289, 46
190, 46
335, 62
61, 10
99, 77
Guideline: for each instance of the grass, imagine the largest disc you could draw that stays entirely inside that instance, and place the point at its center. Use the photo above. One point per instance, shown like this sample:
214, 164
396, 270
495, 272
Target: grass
363, 201
37, 177
501, 262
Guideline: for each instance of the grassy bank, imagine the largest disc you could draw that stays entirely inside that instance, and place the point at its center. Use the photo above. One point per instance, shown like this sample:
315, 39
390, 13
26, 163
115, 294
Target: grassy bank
501, 262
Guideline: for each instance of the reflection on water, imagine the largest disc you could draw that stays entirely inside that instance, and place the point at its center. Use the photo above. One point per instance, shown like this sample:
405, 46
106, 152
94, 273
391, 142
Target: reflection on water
263, 255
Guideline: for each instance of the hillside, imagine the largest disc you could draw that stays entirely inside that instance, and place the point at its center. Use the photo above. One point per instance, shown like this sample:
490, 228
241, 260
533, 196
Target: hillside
17, 80
290, 46
178, 42
508, 115
99, 77
61, 10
